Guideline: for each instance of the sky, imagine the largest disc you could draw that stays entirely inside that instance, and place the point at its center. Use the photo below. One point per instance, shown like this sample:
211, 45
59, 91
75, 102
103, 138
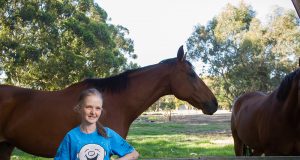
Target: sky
159, 27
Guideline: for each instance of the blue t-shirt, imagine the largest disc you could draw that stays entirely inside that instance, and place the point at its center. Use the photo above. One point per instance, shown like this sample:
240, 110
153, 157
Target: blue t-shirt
77, 145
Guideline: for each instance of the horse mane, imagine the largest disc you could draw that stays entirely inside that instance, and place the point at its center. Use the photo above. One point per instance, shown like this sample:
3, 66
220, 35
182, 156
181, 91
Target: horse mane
174, 60
120, 82
113, 84
286, 85
168, 61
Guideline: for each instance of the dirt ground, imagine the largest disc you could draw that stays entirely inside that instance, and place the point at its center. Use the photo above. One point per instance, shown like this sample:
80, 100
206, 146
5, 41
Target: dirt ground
191, 116
196, 117
199, 117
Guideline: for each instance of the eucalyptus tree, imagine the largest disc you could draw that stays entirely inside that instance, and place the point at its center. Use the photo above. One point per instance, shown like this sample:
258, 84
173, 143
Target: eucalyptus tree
50, 44
242, 53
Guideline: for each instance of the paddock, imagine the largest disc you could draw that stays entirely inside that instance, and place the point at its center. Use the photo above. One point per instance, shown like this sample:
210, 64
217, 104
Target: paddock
190, 118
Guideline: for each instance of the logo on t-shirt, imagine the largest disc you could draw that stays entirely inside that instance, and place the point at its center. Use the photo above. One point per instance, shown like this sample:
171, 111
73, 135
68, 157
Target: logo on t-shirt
91, 152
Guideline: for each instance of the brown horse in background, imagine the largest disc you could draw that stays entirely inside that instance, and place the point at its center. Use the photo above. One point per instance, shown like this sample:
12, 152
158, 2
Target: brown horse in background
268, 124
36, 121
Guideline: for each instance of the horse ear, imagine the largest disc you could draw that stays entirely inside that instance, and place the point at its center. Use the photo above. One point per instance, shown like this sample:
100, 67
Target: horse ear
180, 54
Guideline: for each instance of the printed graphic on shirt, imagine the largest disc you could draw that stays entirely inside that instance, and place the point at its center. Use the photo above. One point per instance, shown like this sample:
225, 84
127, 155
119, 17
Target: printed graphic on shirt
91, 152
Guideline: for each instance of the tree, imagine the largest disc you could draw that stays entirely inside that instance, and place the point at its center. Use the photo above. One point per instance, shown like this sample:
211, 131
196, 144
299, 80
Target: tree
242, 54
51, 44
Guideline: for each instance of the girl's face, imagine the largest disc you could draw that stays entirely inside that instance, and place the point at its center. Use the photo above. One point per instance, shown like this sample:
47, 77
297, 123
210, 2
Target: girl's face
91, 109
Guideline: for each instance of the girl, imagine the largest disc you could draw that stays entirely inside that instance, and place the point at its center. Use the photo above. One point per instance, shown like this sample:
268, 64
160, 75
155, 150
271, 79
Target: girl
90, 140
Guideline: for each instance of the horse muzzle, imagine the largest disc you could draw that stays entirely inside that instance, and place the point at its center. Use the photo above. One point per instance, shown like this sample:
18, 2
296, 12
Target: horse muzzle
210, 107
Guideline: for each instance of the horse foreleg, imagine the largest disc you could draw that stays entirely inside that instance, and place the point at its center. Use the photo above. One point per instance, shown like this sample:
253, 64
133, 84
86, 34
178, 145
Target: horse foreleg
6, 150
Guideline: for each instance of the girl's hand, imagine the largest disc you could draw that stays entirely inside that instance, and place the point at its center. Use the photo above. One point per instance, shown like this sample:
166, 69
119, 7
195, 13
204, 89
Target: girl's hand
130, 156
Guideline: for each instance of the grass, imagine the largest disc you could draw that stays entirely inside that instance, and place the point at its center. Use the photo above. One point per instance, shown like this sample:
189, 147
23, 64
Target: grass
20, 155
175, 140
160, 139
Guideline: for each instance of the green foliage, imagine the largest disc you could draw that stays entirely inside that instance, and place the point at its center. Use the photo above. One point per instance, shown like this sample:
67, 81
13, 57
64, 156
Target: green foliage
168, 105
242, 54
52, 44
168, 102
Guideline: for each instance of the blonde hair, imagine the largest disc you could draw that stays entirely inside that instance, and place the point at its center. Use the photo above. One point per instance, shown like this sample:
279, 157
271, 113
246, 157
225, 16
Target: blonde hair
83, 95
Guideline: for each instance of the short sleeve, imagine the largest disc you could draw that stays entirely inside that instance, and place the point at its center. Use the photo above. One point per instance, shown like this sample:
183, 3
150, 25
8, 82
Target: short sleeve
119, 146
63, 151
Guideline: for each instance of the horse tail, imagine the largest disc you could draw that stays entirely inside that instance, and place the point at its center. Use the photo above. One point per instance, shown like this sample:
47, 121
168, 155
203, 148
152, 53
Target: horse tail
234, 110
236, 103
239, 146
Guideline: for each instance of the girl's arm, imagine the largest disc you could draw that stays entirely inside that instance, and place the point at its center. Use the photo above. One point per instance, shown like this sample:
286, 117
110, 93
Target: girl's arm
130, 156
63, 151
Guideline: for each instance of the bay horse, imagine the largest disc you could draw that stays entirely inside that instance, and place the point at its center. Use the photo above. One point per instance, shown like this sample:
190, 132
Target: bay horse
36, 121
268, 124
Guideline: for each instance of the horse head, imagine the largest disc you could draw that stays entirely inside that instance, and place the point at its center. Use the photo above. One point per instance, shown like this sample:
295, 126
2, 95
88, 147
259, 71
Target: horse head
186, 85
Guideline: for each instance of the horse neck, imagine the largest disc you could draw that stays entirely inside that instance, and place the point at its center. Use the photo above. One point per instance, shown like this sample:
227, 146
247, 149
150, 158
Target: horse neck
145, 87
291, 107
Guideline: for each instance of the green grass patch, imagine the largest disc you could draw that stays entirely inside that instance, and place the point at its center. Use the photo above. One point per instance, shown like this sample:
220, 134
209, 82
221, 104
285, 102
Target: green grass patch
175, 140
171, 140
20, 155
